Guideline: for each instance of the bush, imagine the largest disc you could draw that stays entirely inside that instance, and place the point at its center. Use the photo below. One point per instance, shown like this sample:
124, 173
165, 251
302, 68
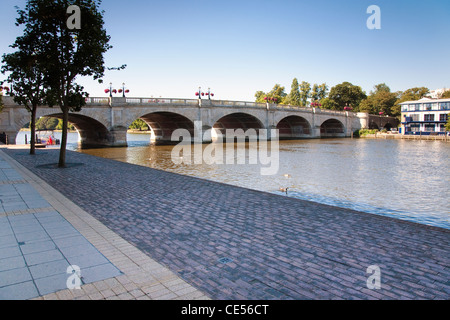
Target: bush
364, 132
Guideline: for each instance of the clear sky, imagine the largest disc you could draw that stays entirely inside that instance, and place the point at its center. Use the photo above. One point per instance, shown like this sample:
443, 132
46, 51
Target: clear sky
172, 47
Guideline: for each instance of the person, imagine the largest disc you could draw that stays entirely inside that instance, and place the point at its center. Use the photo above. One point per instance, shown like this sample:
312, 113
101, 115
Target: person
50, 141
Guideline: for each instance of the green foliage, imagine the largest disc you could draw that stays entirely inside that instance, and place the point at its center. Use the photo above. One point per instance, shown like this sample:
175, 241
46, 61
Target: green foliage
445, 95
305, 93
379, 100
345, 94
63, 54
412, 94
140, 125
277, 92
447, 126
294, 97
364, 132
49, 124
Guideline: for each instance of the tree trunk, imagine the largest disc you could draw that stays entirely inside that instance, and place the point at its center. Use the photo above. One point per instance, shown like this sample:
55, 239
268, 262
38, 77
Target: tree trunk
33, 131
62, 152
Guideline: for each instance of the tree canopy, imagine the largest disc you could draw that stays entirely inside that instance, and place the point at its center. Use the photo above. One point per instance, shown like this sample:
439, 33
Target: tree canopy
65, 54
379, 100
346, 94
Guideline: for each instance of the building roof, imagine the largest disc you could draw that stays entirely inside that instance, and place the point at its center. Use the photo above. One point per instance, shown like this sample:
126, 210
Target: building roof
426, 100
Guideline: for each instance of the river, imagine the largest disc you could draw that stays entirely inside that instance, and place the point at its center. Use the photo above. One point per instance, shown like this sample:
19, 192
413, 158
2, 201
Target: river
403, 179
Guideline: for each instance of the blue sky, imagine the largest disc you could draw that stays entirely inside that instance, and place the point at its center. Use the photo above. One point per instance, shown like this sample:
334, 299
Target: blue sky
236, 48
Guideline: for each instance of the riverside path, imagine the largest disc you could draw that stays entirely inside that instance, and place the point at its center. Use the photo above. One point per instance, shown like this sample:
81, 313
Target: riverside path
235, 243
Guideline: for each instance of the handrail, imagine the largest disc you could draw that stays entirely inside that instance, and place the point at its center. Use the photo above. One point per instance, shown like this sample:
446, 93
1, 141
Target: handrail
120, 101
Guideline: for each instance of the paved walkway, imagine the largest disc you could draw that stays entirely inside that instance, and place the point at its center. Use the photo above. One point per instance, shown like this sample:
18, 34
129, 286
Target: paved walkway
235, 243
42, 234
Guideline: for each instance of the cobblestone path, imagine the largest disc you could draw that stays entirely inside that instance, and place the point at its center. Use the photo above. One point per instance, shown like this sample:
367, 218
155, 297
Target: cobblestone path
235, 243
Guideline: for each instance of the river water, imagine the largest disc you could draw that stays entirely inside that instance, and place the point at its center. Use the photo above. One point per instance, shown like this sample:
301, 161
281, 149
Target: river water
404, 179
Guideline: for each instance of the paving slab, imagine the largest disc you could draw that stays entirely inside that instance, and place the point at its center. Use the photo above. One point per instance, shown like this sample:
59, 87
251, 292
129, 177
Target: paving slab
38, 244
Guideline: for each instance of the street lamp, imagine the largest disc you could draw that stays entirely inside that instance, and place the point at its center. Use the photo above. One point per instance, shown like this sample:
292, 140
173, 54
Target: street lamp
201, 94
111, 90
123, 90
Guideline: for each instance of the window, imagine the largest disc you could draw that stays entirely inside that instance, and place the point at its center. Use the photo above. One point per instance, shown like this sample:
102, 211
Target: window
428, 106
429, 128
415, 117
444, 106
417, 107
442, 128
443, 117
429, 117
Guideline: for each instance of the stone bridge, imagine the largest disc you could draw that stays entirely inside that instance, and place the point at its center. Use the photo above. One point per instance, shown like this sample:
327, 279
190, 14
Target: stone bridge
104, 122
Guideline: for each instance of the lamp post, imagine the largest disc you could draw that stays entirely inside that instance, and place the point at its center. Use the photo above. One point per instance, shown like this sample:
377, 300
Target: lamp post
201, 94
111, 90
123, 90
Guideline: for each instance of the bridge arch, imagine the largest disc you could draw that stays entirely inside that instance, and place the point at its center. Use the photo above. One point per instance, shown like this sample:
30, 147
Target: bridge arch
332, 128
235, 121
93, 134
294, 127
163, 123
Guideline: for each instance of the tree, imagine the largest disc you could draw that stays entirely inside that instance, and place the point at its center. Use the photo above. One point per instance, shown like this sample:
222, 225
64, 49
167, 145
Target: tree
346, 94
412, 94
276, 93
445, 95
315, 93
140, 125
27, 77
294, 97
305, 93
322, 91
66, 54
379, 100
447, 126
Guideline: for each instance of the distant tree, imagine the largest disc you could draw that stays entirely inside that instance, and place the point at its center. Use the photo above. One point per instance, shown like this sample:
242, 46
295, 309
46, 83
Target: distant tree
46, 123
277, 93
322, 91
329, 104
140, 125
305, 93
315, 93
379, 100
412, 94
294, 97
65, 54
445, 95
27, 76
346, 94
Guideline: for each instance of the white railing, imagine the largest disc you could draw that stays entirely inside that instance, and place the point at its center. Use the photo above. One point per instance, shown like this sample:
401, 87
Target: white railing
107, 101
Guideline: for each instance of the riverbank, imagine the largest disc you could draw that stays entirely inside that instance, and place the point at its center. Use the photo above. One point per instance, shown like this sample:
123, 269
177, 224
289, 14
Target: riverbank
236, 243
386, 136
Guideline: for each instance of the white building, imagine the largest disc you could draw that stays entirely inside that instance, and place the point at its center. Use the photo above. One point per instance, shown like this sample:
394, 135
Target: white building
425, 116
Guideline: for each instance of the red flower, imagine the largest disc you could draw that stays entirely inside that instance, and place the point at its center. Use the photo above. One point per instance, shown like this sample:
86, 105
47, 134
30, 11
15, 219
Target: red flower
106, 90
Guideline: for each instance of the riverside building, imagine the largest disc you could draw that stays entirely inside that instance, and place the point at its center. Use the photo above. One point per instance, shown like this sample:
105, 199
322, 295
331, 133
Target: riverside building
425, 116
